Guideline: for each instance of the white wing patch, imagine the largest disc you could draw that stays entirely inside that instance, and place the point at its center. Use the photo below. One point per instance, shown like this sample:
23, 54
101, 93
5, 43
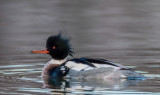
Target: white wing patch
78, 66
82, 67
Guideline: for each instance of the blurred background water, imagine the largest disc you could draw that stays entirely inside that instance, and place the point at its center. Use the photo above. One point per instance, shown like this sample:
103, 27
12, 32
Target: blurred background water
123, 31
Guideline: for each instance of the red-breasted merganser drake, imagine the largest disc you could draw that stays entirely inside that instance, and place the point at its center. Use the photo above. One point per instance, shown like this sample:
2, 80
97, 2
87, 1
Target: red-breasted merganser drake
59, 48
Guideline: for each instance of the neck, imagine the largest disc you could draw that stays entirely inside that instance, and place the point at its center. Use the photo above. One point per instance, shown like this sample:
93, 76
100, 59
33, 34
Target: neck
53, 61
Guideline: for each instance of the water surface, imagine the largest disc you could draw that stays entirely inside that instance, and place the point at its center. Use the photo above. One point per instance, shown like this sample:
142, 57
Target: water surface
123, 31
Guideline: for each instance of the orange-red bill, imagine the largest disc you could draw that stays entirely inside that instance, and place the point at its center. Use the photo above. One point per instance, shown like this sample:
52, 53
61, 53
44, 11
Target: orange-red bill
40, 51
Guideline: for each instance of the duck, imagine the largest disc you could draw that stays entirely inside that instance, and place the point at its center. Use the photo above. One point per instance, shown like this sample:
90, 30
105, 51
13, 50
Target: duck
64, 65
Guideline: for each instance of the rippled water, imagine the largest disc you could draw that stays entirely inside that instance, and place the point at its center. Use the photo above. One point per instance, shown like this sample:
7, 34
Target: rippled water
123, 31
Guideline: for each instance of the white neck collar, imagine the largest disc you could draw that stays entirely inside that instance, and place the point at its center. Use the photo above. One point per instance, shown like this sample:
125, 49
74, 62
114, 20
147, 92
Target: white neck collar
53, 61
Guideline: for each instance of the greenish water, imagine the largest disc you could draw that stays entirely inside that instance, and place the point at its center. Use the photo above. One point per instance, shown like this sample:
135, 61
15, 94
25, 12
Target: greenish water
123, 31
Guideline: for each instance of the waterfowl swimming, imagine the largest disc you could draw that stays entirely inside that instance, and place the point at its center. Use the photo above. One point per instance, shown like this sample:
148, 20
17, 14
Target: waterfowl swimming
59, 48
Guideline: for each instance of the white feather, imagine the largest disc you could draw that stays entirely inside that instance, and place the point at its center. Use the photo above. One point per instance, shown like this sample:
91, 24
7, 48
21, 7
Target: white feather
77, 66
53, 61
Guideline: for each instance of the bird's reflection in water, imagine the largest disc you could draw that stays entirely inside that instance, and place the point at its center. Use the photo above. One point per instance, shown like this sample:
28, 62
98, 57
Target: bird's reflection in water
87, 84
55, 83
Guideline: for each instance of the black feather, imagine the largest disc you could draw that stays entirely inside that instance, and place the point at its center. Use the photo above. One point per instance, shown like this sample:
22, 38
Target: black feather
100, 61
62, 46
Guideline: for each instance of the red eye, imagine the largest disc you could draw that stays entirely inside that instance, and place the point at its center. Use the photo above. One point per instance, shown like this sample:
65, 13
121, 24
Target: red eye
53, 47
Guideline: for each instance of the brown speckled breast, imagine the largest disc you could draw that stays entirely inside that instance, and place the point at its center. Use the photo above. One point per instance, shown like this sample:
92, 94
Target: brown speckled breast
48, 68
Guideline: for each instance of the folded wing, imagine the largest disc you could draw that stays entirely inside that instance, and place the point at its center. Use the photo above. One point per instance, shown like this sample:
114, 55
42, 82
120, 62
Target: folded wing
82, 64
